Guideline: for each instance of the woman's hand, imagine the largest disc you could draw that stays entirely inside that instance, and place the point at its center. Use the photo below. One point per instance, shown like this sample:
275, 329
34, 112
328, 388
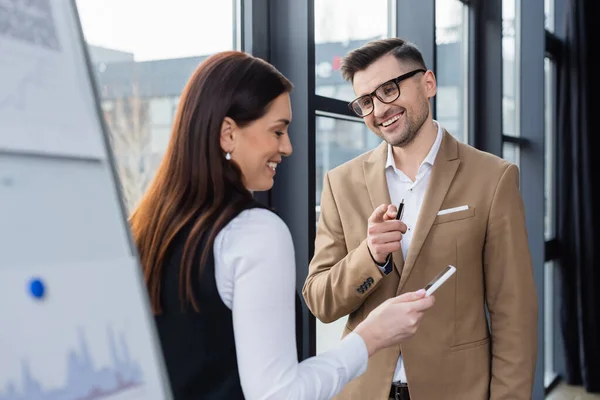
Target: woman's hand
394, 320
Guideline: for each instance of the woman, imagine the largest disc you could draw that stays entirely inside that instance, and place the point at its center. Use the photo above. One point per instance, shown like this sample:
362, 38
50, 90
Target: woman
220, 268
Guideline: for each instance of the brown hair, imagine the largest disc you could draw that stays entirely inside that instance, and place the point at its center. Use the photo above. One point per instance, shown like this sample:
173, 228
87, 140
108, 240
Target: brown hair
361, 58
195, 185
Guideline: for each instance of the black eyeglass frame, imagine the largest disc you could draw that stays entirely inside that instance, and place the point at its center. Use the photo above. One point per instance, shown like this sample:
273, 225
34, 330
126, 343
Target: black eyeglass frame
396, 81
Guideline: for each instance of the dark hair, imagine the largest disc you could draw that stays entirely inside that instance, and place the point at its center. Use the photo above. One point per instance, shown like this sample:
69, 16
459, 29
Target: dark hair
195, 186
361, 58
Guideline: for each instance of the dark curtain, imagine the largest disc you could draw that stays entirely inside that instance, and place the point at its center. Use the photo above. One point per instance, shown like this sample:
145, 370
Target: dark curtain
578, 123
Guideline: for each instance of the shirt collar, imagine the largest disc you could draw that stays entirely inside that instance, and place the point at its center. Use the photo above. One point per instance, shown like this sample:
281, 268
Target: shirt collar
429, 159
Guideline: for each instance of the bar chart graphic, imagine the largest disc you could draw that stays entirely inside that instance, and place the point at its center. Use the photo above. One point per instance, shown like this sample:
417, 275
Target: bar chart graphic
84, 379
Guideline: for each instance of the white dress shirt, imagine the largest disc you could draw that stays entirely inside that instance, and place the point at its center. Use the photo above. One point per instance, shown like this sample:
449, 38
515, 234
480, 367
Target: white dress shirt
401, 187
256, 278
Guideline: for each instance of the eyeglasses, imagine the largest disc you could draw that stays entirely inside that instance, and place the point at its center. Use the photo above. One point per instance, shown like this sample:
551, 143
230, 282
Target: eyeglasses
387, 92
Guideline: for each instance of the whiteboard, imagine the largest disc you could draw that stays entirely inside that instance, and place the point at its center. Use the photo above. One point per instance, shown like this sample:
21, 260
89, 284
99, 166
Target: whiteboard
46, 101
86, 339
75, 320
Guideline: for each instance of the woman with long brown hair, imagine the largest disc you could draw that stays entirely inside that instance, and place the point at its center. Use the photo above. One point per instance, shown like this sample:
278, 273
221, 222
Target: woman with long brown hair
219, 267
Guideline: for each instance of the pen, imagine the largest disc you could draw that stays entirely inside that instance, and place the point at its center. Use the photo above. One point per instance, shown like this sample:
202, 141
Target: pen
400, 210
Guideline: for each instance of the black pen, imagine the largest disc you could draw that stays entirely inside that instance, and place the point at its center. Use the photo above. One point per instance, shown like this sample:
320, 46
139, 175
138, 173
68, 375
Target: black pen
400, 210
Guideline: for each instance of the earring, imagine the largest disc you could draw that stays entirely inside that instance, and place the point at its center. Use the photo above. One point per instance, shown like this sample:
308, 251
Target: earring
228, 156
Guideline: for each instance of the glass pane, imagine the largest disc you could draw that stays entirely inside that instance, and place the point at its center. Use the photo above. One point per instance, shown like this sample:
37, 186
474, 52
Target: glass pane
451, 47
549, 373
549, 220
549, 12
510, 74
510, 152
337, 141
141, 71
340, 27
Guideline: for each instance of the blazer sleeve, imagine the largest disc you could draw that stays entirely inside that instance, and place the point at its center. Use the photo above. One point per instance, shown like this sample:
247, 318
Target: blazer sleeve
510, 293
338, 280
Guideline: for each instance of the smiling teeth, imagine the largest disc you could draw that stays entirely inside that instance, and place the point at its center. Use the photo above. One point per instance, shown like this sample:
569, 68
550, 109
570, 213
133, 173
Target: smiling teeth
389, 121
273, 165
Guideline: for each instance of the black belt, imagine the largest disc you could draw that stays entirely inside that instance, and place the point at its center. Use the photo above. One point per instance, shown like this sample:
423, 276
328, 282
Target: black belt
399, 391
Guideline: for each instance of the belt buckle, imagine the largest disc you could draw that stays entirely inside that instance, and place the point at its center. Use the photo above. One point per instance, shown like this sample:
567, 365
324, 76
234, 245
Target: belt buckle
397, 393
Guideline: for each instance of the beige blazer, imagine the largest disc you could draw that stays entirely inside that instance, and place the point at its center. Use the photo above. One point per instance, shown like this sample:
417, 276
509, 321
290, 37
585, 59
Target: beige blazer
453, 354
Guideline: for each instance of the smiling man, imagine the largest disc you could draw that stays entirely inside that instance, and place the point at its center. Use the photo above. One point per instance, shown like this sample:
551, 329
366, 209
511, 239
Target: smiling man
462, 207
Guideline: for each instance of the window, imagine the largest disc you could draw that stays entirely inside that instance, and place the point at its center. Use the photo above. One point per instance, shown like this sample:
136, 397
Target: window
340, 27
549, 220
451, 32
337, 141
510, 81
549, 373
161, 114
141, 70
550, 161
510, 75
511, 152
549, 12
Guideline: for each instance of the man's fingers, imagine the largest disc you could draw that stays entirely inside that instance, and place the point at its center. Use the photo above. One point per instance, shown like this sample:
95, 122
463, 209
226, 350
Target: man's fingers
386, 237
402, 226
388, 248
377, 215
410, 296
390, 213
423, 304
387, 226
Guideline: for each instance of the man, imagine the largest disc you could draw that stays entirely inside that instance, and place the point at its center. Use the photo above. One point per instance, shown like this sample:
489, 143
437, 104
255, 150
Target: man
462, 207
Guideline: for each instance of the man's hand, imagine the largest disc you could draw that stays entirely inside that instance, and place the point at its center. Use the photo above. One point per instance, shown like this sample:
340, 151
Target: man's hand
384, 232
394, 320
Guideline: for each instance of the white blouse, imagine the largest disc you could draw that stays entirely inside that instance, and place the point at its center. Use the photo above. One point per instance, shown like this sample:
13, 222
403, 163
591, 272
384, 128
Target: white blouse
256, 278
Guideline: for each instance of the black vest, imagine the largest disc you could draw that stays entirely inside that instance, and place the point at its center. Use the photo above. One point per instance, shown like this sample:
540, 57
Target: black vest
199, 347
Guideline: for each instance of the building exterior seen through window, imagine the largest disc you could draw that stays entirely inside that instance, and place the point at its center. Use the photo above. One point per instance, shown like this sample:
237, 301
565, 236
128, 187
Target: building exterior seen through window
141, 70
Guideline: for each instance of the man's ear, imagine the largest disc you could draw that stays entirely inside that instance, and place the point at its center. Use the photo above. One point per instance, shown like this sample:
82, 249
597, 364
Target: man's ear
228, 135
430, 84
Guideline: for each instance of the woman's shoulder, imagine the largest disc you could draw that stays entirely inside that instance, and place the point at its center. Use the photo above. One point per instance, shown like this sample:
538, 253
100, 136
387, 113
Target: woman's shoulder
256, 225
256, 219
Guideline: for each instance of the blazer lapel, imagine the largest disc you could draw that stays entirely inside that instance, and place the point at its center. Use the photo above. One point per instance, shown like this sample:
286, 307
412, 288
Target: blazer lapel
444, 168
379, 193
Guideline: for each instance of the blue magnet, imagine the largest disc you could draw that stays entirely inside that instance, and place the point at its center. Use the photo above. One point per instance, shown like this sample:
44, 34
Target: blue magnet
36, 287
